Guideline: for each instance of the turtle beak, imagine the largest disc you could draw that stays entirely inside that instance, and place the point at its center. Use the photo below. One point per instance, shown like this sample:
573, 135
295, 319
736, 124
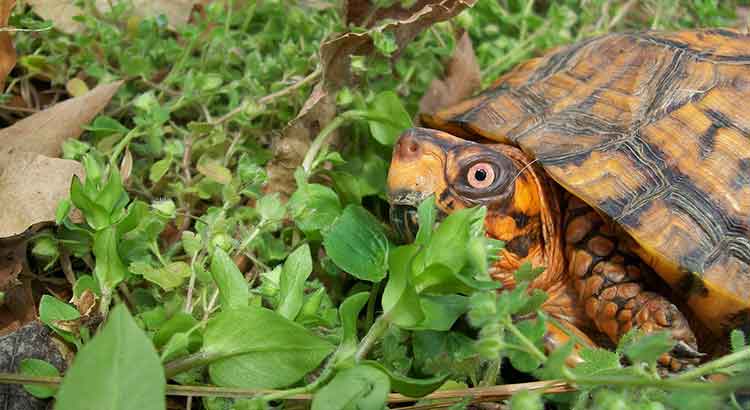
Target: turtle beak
417, 171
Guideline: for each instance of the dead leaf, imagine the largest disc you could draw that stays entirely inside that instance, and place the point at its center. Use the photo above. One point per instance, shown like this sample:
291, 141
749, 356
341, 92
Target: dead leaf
7, 50
61, 12
31, 186
45, 131
12, 260
462, 79
335, 60
365, 13
18, 307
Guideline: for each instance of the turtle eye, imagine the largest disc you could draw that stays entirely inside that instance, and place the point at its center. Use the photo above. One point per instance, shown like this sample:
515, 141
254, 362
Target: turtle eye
481, 175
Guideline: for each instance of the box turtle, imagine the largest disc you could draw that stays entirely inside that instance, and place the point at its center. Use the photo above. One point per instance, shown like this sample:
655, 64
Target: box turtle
611, 162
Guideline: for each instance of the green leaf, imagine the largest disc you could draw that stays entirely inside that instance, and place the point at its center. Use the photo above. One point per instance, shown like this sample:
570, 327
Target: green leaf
526, 273
596, 360
117, 370
387, 105
96, 216
52, 309
526, 400
445, 246
440, 279
348, 313
426, 214
180, 322
109, 269
409, 386
314, 208
214, 171
648, 348
270, 208
361, 387
159, 169
36, 367
441, 311
400, 299
737, 340
113, 197
168, 277
233, 291
553, 367
357, 244
297, 269
260, 349
533, 330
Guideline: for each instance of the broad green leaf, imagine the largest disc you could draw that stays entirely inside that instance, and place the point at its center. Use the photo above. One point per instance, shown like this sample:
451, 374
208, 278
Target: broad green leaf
426, 213
214, 171
109, 269
361, 387
113, 197
396, 119
447, 245
409, 386
441, 311
296, 270
52, 309
117, 370
167, 277
357, 244
233, 291
86, 282
314, 208
36, 367
260, 349
527, 273
400, 299
348, 313
270, 208
180, 322
648, 348
440, 279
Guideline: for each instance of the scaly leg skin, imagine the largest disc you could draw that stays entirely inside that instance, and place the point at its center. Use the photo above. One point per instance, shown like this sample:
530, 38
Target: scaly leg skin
608, 279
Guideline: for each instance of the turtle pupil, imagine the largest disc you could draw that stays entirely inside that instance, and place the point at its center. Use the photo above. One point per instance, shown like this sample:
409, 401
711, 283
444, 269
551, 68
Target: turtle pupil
480, 175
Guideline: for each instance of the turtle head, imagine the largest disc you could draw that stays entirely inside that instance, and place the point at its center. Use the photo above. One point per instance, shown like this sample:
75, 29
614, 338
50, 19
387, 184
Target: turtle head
462, 174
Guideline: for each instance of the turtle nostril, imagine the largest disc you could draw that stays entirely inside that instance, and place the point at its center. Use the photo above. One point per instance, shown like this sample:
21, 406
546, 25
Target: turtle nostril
413, 147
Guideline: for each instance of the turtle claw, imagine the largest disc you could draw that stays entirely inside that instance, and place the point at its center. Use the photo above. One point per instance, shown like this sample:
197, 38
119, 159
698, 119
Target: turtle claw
685, 351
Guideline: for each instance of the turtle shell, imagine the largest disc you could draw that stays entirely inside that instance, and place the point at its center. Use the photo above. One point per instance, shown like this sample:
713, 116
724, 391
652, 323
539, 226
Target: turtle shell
651, 129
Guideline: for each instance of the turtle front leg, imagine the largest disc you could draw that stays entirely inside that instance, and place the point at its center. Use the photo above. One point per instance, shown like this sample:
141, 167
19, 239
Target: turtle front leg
608, 280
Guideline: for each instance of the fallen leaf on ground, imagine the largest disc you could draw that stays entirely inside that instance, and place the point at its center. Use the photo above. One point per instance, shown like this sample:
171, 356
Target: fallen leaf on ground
12, 260
45, 131
461, 80
61, 12
7, 51
365, 13
31, 186
335, 60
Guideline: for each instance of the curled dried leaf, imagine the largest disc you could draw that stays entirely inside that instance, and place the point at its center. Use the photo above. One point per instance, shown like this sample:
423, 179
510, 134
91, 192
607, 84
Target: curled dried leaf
461, 80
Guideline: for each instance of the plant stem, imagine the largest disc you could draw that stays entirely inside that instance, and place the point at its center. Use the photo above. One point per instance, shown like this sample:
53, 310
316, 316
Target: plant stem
320, 141
527, 344
188, 362
714, 365
377, 330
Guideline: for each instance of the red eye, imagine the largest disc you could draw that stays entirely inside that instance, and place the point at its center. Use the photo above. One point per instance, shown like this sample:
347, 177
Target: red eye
481, 175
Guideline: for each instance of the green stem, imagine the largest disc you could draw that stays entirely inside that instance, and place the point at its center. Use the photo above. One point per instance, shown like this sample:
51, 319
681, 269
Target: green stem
490, 374
320, 141
377, 330
325, 375
527, 344
122, 144
714, 365
188, 362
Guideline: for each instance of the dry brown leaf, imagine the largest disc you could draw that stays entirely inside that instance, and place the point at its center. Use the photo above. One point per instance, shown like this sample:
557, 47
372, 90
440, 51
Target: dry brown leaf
45, 131
31, 186
365, 13
7, 50
12, 260
462, 79
61, 12
335, 60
